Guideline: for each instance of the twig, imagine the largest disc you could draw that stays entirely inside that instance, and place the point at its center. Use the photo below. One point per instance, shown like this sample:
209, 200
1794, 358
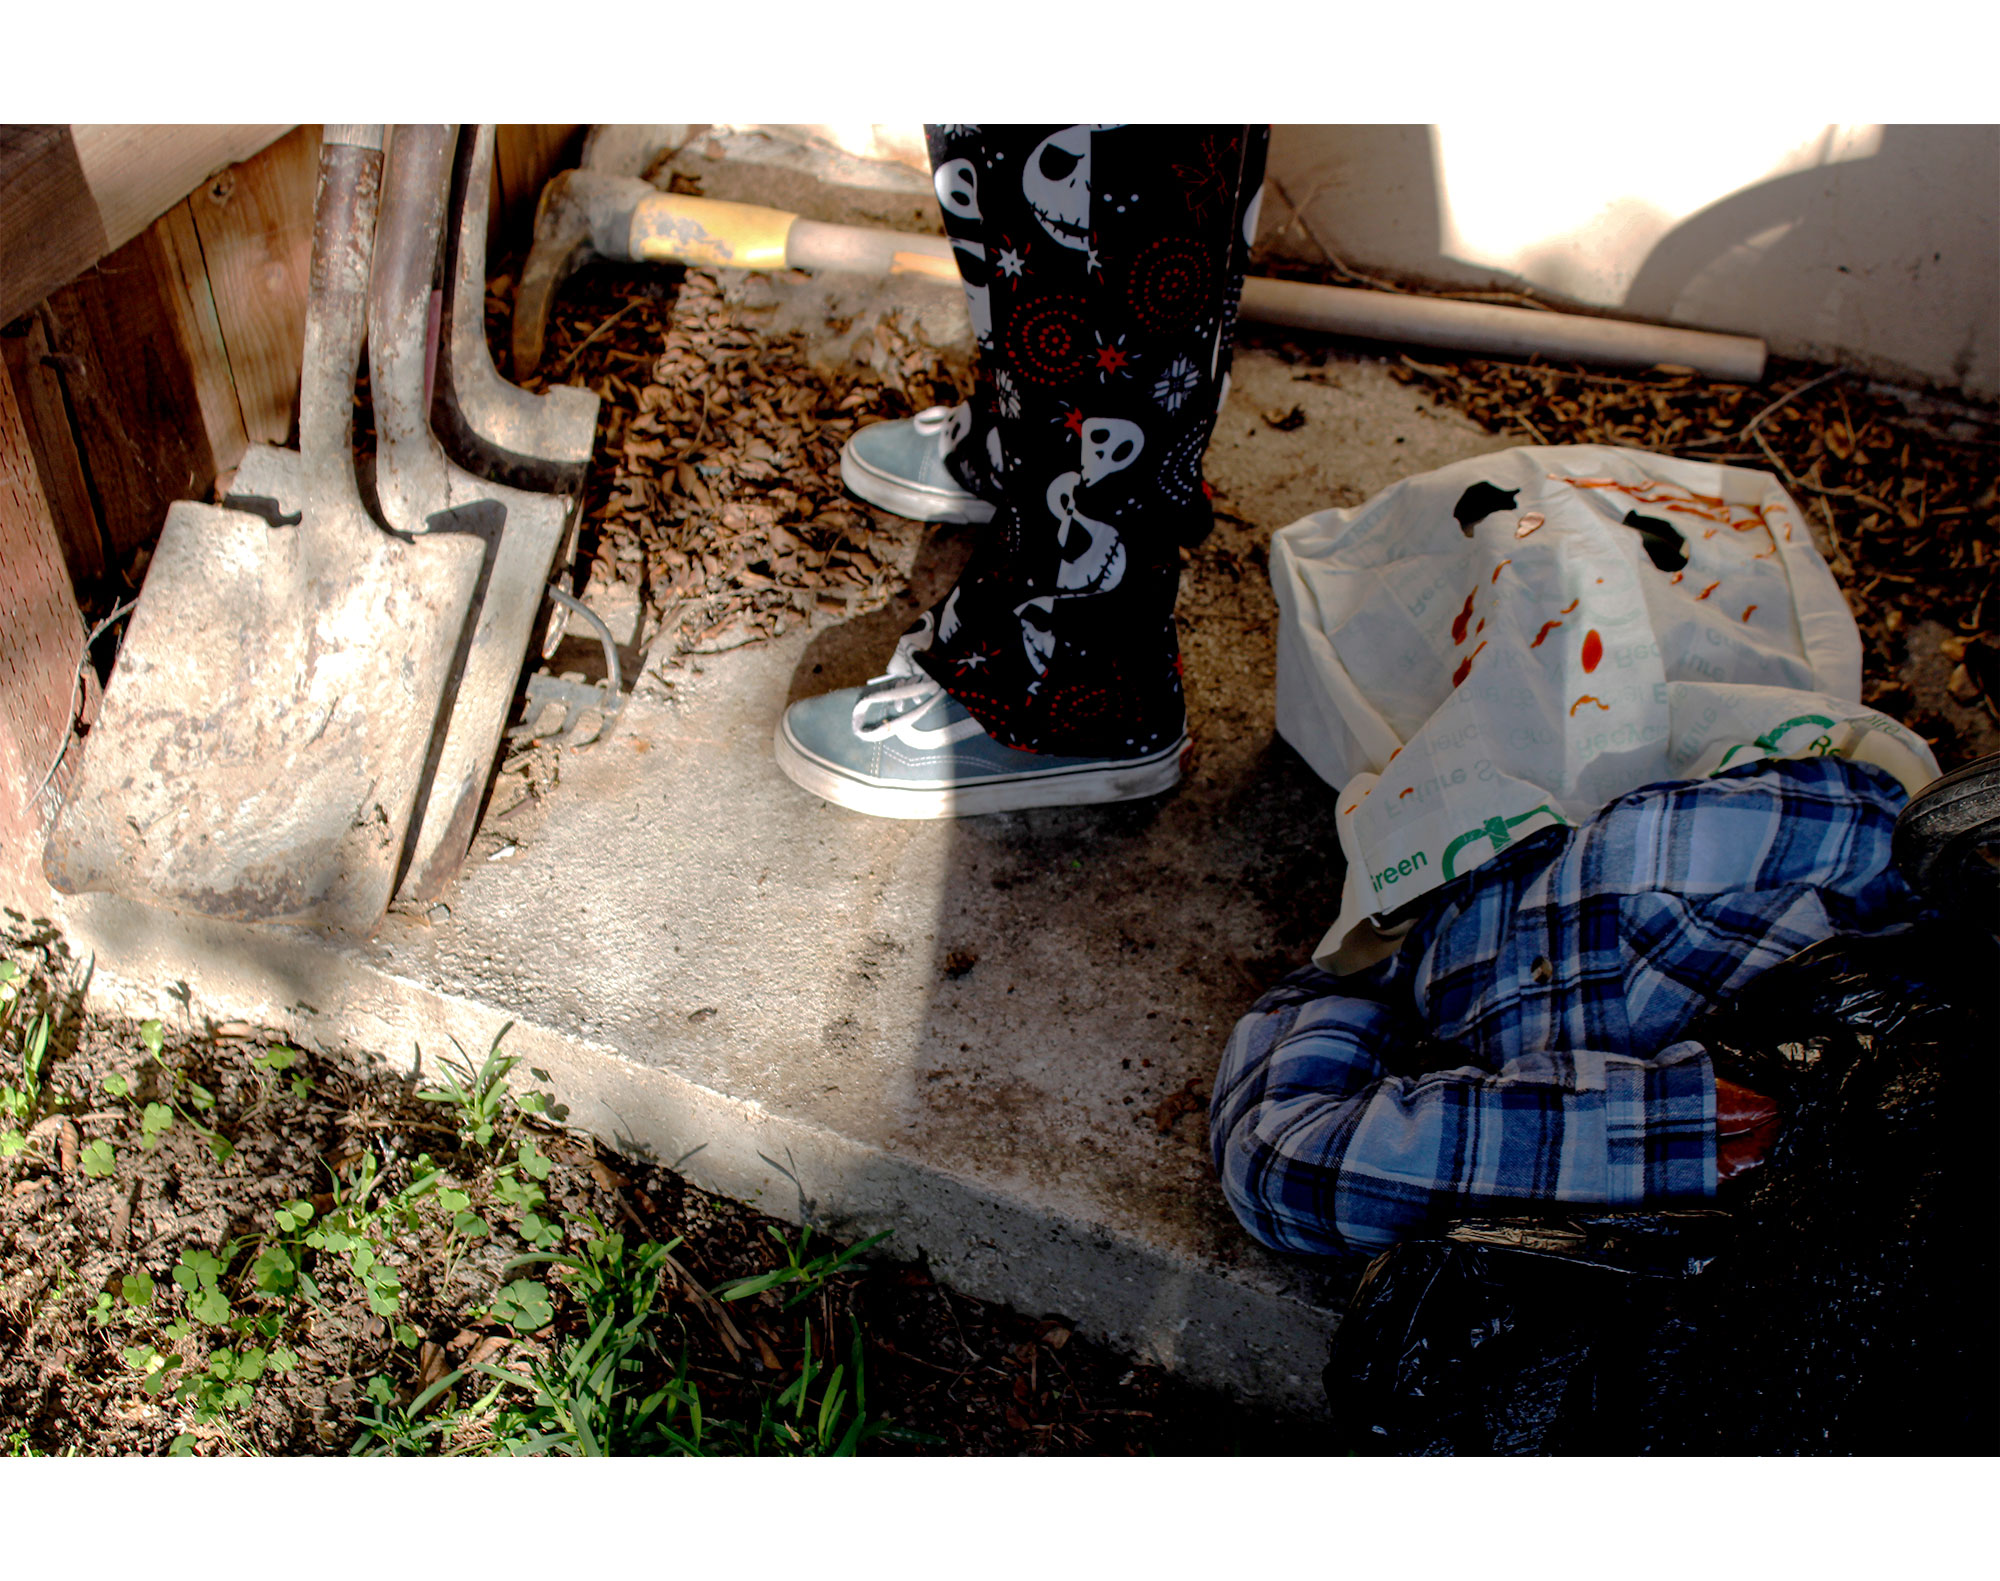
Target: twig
953, 1311
729, 647
902, 1355
1299, 219
1825, 517
75, 689
569, 362
1841, 494
732, 1337
1378, 282
1748, 428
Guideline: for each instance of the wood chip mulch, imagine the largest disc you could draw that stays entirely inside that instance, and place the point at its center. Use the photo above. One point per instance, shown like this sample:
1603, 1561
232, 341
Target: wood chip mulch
716, 491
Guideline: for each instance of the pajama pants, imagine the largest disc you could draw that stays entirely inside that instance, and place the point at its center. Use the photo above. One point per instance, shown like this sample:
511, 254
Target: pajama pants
1526, 1046
1102, 266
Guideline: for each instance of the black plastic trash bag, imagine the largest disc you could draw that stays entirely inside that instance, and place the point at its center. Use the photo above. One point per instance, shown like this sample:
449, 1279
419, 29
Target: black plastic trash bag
1848, 1300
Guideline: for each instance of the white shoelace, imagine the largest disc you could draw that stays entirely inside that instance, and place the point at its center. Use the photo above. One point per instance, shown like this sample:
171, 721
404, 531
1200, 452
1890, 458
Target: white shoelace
907, 690
917, 692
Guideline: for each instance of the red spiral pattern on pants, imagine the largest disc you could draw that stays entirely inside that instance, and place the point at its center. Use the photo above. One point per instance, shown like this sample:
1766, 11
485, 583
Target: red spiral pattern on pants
1049, 341
1172, 285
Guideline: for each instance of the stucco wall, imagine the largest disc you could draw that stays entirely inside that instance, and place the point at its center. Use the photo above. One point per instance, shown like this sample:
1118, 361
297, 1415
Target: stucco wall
1878, 246
1874, 245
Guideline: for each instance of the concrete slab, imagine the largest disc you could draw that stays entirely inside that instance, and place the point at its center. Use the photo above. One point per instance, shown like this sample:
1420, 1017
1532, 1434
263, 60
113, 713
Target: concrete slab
993, 1037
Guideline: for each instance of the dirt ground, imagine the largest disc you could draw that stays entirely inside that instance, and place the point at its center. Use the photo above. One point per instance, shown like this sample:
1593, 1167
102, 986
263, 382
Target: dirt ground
88, 1206
146, 1154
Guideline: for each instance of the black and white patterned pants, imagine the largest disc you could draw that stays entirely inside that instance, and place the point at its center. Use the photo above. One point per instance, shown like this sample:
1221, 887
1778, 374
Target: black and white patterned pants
1102, 267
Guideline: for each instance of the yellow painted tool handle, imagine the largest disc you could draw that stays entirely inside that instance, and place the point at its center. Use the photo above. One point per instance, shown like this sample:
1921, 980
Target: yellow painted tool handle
668, 227
926, 264
708, 233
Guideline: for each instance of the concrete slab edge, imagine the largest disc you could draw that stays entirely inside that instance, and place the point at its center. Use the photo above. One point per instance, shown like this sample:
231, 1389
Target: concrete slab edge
1258, 1344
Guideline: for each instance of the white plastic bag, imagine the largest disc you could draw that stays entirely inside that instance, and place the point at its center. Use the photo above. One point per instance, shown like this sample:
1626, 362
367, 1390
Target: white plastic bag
1514, 640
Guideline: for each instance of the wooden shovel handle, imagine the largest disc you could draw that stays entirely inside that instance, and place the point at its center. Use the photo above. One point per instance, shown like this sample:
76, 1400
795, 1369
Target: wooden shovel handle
349, 197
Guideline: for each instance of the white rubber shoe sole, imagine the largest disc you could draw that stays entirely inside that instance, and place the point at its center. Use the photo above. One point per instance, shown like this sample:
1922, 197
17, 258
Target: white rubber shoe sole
1078, 785
917, 501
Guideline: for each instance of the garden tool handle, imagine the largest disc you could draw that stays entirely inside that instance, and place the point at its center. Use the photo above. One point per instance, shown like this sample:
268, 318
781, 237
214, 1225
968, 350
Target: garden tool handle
673, 227
344, 213
410, 474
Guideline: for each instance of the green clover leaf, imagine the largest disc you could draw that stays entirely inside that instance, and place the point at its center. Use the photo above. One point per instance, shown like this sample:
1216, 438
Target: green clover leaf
154, 1124
524, 1306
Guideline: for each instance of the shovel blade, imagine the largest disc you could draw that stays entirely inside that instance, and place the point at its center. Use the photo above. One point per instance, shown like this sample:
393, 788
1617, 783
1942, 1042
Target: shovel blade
274, 708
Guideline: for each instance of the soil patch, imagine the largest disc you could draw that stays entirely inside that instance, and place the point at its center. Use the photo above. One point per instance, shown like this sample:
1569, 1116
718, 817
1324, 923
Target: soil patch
212, 1243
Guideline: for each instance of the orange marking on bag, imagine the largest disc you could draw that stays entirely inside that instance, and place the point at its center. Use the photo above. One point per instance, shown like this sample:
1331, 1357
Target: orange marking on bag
1464, 619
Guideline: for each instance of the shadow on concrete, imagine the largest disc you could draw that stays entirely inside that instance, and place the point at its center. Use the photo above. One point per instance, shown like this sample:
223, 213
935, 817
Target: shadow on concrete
857, 650
1080, 970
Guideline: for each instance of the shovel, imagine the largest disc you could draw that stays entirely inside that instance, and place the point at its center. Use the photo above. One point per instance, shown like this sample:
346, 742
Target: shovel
423, 491
264, 737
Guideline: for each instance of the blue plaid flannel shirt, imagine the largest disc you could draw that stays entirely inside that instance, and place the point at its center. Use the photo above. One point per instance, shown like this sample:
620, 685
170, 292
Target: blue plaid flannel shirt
1524, 1045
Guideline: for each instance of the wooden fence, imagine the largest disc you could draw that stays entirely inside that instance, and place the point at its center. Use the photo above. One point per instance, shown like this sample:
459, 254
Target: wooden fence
152, 314
147, 370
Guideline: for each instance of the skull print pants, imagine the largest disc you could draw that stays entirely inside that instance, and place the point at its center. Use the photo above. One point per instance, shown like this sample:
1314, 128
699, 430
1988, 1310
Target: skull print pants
1102, 266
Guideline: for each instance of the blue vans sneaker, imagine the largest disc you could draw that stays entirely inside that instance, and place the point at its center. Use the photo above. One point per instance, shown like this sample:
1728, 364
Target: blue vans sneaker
903, 747
900, 467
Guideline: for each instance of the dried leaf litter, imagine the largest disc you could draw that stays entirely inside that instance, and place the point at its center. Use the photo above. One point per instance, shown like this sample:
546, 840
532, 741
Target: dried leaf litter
716, 494
716, 489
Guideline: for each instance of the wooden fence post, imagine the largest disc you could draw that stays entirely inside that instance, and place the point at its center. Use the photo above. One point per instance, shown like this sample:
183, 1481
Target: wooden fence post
41, 639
